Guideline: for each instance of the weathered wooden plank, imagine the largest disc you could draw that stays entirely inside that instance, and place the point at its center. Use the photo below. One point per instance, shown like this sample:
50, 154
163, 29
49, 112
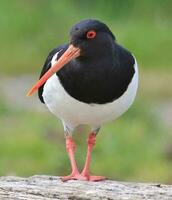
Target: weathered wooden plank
51, 187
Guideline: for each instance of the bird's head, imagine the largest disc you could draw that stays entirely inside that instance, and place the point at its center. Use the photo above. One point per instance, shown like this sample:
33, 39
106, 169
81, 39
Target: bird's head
88, 38
91, 37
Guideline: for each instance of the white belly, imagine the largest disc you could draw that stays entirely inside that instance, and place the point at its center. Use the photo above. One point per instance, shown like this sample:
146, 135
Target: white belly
74, 112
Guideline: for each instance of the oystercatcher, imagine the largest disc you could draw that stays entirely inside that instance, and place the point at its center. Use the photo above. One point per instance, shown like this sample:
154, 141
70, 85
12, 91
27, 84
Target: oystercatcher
91, 80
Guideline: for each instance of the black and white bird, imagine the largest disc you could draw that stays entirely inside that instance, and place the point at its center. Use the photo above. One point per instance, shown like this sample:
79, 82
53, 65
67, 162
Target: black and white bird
92, 80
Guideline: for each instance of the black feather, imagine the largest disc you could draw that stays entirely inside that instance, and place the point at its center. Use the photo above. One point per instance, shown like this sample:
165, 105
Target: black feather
101, 80
101, 73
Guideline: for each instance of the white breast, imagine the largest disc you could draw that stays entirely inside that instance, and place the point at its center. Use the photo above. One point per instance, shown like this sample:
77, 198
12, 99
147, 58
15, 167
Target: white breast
74, 112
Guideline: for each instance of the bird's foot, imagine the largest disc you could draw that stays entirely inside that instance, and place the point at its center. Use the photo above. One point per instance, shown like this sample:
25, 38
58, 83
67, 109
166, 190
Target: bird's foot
82, 177
74, 176
94, 178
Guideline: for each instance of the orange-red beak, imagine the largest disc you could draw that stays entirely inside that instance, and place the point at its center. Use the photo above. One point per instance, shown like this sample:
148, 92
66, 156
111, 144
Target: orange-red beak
71, 53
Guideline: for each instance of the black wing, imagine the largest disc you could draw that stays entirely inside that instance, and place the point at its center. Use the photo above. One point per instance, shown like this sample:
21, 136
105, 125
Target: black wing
47, 66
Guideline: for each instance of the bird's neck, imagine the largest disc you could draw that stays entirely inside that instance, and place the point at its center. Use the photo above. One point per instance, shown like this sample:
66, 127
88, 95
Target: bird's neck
96, 52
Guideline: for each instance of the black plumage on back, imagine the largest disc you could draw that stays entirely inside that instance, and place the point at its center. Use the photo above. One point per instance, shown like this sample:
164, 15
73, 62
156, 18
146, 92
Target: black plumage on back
98, 81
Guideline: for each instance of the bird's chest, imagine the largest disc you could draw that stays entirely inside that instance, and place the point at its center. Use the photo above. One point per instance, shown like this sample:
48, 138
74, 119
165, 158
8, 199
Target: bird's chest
97, 83
76, 112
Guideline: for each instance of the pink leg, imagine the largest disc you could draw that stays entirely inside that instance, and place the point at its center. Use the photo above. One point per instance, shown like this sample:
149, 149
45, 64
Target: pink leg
85, 172
75, 175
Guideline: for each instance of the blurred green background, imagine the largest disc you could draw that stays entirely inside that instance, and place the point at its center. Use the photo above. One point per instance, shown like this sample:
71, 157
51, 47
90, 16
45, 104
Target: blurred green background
137, 146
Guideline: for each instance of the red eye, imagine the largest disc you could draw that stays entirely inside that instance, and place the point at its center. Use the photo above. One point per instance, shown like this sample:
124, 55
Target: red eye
91, 34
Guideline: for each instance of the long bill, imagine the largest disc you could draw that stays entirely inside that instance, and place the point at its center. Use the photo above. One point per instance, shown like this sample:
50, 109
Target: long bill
71, 53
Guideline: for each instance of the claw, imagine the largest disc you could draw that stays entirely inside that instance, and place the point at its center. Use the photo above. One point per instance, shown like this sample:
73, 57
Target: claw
74, 177
96, 178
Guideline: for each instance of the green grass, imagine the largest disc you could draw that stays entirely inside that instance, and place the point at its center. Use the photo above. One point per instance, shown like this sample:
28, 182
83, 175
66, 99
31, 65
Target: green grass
30, 29
24, 146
